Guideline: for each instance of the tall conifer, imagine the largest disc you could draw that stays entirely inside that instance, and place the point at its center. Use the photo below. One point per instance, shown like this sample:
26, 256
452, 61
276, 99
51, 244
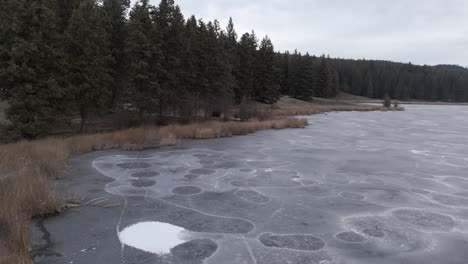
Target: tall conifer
89, 61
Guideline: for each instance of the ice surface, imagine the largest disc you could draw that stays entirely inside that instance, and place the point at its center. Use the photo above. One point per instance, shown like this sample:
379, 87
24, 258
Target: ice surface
364, 188
187, 190
298, 242
351, 237
425, 219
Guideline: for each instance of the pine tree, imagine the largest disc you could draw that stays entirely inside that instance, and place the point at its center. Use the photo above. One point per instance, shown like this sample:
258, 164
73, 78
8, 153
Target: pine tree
294, 76
368, 81
266, 76
282, 63
171, 24
31, 68
247, 51
322, 78
143, 48
306, 78
221, 80
231, 36
189, 62
89, 61
113, 18
231, 47
201, 54
64, 11
327, 82
333, 82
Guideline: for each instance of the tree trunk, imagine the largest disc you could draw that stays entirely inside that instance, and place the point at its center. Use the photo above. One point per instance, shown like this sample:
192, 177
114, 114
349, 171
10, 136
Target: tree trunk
160, 108
84, 116
196, 104
141, 113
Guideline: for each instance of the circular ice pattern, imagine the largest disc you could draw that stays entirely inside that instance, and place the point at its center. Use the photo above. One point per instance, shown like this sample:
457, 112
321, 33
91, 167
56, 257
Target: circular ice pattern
187, 190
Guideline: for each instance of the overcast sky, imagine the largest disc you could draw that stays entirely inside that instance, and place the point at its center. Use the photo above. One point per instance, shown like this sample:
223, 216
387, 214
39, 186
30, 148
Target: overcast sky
418, 31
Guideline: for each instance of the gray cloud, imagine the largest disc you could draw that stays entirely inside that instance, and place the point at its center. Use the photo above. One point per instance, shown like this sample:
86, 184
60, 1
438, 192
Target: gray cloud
420, 31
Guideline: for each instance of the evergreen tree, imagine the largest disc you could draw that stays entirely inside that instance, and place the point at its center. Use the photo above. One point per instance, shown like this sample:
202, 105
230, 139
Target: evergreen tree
89, 61
221, 80
31, 68
322, 84
113, 18
189, 68
247, 50
369, 85
144, 44
294, 76
64, 11
334, 82
196, 65
171, 24
282, 63
231, 47
231, 37
201, 56
266, 86
306, 78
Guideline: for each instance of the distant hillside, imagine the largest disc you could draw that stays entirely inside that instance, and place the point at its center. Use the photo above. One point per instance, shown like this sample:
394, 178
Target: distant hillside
402, 81
452, 67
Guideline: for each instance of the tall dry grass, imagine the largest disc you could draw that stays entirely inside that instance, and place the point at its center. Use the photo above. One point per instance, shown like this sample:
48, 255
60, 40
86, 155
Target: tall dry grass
28, 168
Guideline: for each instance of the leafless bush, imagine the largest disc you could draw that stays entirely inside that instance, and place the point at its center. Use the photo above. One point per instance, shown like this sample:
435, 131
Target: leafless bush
387, 101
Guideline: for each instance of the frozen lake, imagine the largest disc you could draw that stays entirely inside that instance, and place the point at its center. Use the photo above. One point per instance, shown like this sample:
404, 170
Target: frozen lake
369, 187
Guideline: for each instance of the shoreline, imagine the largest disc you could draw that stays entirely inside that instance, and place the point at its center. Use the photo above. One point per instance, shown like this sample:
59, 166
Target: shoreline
409, 103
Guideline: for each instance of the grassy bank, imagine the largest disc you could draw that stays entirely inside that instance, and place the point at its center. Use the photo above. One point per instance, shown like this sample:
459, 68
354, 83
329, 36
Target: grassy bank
28, 169
320, 109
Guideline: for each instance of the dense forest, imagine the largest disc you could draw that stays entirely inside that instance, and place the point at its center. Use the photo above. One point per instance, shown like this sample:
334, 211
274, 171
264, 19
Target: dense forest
60, 59
403, 81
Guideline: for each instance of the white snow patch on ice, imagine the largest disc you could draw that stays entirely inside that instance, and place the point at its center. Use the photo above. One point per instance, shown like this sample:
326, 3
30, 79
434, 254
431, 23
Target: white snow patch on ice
153, 237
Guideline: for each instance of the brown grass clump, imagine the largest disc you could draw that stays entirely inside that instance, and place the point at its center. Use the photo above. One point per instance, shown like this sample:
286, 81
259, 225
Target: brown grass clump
28, 168
216, 129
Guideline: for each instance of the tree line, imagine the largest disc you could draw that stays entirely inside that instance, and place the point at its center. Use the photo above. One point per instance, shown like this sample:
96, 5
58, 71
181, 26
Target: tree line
376, 79
63, 58
60, 59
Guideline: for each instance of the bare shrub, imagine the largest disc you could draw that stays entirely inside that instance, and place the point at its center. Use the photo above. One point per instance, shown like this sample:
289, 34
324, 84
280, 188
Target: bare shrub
387, 101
